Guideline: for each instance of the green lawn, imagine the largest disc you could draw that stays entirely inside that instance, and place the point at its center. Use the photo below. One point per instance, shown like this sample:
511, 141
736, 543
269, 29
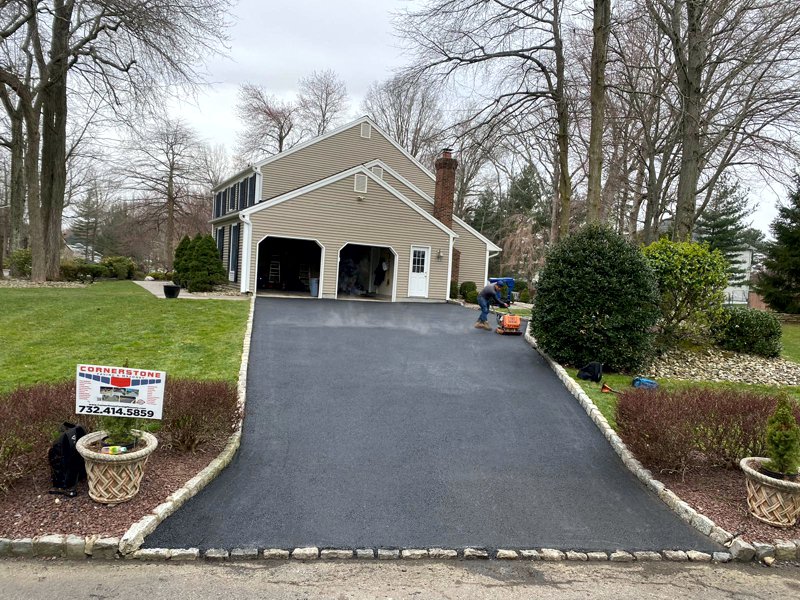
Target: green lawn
791, 342
46, 332
607, 402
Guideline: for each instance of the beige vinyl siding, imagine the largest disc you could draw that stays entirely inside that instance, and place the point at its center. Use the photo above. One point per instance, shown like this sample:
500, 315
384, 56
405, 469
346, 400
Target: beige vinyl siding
334, 216
472, 248
473, 256
335, 154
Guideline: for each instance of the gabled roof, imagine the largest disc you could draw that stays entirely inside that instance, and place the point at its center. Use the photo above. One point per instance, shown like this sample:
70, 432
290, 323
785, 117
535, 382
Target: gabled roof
489, 243
338, 177
365, 119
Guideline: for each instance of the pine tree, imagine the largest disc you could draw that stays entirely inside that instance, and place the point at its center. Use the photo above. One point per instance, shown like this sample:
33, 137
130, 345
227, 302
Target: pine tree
722, 226
779, 285
204, 268
88, 223
180, 265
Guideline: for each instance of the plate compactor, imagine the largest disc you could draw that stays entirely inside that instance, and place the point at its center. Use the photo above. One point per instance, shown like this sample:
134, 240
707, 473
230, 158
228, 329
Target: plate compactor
508, 324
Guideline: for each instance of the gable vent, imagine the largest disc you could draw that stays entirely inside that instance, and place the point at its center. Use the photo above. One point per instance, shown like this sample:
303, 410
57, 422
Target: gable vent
361, 183
366, 130
378, 172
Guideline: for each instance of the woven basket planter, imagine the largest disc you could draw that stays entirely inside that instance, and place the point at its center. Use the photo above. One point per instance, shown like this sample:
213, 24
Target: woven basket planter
773, 501
115, 478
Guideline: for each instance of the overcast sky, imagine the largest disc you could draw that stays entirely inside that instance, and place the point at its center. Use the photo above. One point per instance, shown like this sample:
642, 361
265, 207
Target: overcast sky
275, 43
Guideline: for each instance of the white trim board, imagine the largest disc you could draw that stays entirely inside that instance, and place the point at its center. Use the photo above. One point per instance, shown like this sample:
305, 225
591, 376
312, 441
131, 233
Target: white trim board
360, 169
379, 163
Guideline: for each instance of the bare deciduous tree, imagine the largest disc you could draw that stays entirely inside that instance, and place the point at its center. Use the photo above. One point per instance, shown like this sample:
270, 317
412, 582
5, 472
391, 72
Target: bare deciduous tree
322, 102
269, 123
408, 109
600, 30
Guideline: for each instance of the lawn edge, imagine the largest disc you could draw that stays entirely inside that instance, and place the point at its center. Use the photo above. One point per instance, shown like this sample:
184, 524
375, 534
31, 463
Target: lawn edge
740, 550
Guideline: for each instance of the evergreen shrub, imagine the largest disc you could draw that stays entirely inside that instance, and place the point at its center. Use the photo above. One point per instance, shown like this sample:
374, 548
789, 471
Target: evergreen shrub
471, 297
466, 286
525, 296
453, 290
596, 300
181, 261
19, 263
204, 268
120, 267
750, 331
691, 281
783, 438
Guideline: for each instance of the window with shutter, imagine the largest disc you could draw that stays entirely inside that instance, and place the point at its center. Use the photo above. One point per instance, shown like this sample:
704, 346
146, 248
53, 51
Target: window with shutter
220, 241
243, 195
252, 194
232, 198
233, 255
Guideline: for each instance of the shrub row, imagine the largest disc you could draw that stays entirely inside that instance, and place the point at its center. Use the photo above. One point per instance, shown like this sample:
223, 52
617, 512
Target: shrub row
195, 413
696, 427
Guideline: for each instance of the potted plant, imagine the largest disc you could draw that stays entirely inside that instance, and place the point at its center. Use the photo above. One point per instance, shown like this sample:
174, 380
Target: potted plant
171, 290
115, 458
773, 488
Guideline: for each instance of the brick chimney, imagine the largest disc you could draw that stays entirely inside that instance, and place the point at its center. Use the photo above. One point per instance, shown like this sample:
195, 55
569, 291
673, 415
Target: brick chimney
443, 199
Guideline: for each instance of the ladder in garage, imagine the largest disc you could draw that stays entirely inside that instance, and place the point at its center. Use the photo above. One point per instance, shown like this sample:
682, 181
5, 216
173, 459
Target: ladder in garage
304, 275
274, 270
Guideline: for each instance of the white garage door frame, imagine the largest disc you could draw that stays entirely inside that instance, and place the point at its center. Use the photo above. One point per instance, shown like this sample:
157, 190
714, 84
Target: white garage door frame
294, 237
368, 245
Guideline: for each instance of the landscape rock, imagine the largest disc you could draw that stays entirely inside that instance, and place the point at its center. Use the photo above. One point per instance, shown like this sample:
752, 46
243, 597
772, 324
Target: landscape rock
365, 553
309, 553
75, 547
49, 545
721, 557
244, 553
414, 553
507, 555
152, 554
550, 554
471, 553
335, 553
572, 555
597, 556
696, 556
764, 551
530, 554
721, 365
442, 553
621, 556
785, 550
22, 547
384, 554
105, 548
216, 554
275, 553
741, 551
675, 555
647, 556
179, 554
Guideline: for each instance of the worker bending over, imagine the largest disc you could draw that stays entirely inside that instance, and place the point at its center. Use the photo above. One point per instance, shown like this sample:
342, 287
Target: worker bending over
488, 295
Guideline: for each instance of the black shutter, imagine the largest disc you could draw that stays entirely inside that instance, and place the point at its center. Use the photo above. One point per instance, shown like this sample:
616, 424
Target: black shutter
234, 257
252, 194
243, 195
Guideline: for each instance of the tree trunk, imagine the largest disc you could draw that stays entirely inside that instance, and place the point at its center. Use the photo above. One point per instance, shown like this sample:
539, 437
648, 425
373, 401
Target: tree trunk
54, 140
36, 236
689, 83
555, 201
170, 234
17, 181
562, 116
600, 30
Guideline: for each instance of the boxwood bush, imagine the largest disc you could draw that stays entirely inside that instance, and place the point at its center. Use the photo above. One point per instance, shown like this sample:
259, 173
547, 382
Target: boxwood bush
596, 300
750, 331
465, 287
471, 296
696, 427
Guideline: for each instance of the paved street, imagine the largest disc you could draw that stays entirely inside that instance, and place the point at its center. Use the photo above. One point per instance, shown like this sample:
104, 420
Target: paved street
34, 580
399, 425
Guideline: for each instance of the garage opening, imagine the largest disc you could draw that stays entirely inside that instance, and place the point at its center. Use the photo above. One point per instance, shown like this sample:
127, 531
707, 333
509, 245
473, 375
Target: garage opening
289, 266
366, 273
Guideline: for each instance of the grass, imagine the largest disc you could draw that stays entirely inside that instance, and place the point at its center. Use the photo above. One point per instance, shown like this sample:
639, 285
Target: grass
791, 341
607, 402
522, 312
48, 331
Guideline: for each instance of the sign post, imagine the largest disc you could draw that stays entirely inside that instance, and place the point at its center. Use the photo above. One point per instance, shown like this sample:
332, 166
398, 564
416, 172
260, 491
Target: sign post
119, 391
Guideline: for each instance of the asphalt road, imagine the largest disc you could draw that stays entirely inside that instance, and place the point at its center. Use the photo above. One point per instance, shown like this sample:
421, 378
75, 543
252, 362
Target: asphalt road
400, 425
347, 580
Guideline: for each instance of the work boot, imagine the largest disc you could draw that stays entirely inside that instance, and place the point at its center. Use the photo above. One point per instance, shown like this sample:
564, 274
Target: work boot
478, 324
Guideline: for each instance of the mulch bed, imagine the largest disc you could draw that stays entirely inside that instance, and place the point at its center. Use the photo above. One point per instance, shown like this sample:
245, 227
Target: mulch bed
27, 510
720, 495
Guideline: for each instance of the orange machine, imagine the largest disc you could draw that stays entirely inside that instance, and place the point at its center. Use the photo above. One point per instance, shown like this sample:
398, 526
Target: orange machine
508, 325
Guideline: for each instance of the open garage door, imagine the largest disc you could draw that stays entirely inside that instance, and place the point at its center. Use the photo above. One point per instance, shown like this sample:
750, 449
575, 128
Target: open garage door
366, 272
290, 266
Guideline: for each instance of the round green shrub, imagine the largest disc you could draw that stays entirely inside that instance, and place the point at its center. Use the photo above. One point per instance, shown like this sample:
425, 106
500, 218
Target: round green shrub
471, 296
19, 263
120, 267
750, 331
691, 280
453, 290
596, 300
466, 286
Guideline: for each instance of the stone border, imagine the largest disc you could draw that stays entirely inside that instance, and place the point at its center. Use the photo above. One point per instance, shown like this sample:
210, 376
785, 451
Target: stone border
739, 550
94, 546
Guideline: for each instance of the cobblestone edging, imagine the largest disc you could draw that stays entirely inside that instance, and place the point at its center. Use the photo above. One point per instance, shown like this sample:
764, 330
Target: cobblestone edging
96, 547
738, 549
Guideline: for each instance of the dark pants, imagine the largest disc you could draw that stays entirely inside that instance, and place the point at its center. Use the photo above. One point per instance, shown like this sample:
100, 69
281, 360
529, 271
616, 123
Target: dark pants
484, 304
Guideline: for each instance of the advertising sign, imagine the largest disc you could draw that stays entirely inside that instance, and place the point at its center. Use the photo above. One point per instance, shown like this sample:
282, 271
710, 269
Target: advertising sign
119, 391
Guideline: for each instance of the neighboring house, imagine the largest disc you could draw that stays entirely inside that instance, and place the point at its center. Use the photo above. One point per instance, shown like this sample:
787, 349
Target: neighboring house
739, 294
349, 213
78, 250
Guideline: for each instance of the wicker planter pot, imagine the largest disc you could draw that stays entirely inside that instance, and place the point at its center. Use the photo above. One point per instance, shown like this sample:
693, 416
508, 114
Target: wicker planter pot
773, 501
115, 478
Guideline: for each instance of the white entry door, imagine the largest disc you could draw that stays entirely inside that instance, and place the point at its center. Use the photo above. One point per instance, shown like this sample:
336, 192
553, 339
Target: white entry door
418, 278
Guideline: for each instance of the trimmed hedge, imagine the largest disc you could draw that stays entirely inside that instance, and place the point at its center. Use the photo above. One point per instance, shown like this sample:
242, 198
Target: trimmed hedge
80, 270
750, 331
596, 300
195, 412
120, 267
471, 297
696, 427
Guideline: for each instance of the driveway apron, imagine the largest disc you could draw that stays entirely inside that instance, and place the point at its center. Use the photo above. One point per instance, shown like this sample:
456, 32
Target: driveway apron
400, 425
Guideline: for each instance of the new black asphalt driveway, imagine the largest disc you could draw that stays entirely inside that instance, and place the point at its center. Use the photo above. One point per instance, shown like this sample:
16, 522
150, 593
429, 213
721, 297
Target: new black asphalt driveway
399, 425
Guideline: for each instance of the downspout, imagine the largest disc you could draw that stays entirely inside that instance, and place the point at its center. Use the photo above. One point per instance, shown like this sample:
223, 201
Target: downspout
244, 284
449, 269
